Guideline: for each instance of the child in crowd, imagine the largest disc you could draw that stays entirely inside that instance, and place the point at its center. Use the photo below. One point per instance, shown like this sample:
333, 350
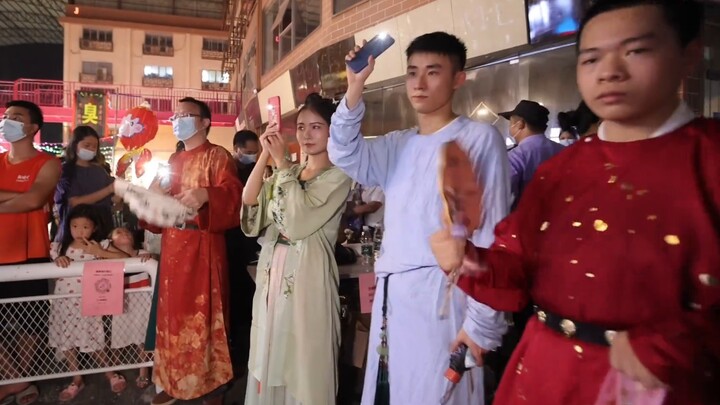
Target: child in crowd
69, 330
130, 327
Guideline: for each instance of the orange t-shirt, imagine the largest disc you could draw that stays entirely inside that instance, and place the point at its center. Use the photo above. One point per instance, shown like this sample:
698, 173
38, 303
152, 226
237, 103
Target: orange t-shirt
23, 235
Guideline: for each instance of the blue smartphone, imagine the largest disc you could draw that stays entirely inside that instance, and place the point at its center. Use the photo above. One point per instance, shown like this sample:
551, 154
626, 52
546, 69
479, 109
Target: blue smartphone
375, 47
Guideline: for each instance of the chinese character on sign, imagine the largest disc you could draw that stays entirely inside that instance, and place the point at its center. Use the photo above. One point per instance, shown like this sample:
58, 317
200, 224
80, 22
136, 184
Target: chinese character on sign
91, 109
90, 114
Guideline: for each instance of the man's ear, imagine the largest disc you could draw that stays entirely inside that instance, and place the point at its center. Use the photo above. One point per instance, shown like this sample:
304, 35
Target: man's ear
35, 129
459, 79
522, 124
694, 53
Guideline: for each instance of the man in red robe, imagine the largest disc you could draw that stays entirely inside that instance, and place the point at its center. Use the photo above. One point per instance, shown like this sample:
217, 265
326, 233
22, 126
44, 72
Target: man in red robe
617, 238
192, 357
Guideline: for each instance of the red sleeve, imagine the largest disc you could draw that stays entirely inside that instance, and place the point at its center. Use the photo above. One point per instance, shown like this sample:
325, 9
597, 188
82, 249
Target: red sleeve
508, 264
688, 342
222, 210
679, 346
503, 283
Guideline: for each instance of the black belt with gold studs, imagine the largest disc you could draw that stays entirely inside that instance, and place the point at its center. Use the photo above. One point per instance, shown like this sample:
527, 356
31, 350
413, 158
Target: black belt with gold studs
582, 331
188, 226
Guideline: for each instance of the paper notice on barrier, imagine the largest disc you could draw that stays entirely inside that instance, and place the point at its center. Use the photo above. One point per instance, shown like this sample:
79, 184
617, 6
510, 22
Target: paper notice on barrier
102, 288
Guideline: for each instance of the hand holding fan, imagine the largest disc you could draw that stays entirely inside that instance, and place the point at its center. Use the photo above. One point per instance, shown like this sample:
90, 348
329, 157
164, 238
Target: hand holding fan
154, 208
462, 199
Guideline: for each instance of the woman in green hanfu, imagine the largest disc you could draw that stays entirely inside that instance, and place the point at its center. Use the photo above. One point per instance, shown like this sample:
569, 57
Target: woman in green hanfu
295, 337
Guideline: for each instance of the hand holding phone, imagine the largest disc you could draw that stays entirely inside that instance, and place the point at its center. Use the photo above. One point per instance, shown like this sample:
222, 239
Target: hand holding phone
359, 58
360, 64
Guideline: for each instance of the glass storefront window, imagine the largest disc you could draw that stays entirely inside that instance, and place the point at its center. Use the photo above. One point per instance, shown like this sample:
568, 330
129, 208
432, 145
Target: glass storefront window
286, 23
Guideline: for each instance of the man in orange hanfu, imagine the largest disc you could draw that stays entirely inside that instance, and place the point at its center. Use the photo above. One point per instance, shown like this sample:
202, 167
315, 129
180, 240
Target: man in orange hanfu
192, 358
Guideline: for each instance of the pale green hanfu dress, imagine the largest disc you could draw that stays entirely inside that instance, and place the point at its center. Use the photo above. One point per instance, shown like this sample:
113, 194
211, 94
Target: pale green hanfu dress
295, 336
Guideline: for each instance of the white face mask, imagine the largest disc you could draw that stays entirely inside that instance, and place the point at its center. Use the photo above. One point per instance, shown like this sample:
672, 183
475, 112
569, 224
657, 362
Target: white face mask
86, 154
566, 142
12, 131
247, 159
184, 128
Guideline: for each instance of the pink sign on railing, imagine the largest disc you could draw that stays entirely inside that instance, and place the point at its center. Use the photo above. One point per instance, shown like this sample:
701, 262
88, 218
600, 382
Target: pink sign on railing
102, 288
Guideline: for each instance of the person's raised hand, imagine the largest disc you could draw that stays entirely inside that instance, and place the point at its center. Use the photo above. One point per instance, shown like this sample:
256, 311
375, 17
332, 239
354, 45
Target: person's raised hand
358, 79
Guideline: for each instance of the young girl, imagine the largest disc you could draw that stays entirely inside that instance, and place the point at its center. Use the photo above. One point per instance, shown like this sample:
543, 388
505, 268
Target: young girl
296, 320
69, 330
129, 328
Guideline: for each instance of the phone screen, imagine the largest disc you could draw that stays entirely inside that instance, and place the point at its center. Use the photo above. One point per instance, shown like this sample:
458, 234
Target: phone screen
274, 112
375, 47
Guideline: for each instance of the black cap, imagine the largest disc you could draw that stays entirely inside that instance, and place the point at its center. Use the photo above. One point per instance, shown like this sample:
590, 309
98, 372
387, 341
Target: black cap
533, 113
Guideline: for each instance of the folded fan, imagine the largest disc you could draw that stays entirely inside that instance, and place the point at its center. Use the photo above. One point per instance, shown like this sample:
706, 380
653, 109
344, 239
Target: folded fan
462, 200
154, 208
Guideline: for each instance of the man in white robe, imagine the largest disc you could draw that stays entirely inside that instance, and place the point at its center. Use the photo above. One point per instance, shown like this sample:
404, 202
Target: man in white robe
405, 164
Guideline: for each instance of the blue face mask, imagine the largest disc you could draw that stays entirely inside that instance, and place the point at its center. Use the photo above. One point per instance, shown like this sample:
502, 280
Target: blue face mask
184, 128
12, 131
247, 159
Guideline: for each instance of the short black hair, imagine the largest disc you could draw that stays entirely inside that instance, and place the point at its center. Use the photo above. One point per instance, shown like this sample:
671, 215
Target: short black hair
536, 128
204, 109
578, 120
242, 137
685, 17
584, 118
35, 113
324, 107
566, 124
440, 43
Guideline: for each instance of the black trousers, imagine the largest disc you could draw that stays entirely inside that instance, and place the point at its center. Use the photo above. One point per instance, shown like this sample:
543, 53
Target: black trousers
496, 361
241, 250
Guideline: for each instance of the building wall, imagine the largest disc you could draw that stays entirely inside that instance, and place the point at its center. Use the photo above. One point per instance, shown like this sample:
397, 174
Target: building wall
128, 60
485, 25
340, 26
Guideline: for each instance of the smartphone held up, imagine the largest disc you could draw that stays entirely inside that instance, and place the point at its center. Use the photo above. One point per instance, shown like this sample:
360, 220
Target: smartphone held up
274, 112
375, 47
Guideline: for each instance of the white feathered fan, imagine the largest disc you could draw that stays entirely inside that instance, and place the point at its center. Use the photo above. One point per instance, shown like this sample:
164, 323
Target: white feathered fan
153, 208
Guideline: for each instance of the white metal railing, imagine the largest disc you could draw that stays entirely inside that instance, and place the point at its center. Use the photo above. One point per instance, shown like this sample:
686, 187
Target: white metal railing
122, 335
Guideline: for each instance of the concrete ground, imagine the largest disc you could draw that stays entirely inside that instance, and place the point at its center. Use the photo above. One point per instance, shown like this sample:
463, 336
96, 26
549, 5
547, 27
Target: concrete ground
97, 392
